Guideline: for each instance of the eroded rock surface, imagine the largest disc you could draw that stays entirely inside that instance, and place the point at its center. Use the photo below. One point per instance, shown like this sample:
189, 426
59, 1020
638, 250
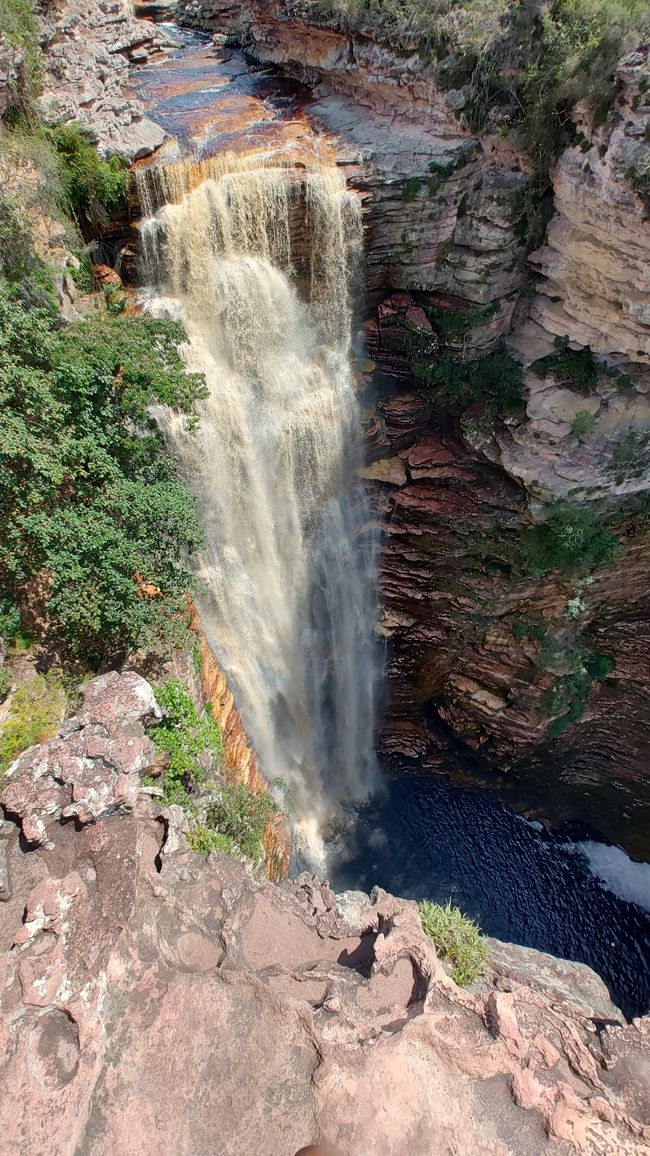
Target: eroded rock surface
93, 767
88, 48
172, 1003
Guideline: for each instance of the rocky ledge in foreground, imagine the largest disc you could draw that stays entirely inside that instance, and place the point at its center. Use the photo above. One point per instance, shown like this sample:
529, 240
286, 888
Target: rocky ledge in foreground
155, 1000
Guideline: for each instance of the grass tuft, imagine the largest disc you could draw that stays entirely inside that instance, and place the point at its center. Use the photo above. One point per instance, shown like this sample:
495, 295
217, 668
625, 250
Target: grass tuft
35, 714
457, 940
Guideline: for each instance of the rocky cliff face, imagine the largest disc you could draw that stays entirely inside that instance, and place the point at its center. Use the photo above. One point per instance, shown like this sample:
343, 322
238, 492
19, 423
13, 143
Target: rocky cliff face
240, 761
154, 998
479, 651
88, 48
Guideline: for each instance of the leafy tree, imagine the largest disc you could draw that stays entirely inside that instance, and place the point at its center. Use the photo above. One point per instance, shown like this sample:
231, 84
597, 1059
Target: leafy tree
89, 493
92, 186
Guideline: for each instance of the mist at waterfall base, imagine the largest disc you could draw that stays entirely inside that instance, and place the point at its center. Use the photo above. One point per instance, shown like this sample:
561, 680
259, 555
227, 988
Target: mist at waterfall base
563, 892
255, 260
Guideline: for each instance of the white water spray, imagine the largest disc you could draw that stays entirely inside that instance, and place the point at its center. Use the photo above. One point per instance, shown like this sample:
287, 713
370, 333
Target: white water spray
255, 261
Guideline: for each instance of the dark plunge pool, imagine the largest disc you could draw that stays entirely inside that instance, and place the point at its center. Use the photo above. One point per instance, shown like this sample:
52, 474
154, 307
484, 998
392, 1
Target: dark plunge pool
567, 892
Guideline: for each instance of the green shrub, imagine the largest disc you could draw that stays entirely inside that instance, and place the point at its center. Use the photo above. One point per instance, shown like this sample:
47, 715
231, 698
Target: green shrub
495, 380
630, 458
573, 539
35, 714
83, 275
410, 190
457, 940
599, 666
10, 625
93, 187
6, 682
19, 26
197, 658
638, 174
184, 736
204, 840
237, 818
568, 695
574, 367
583, 422
88, 489
455, 325
243, 817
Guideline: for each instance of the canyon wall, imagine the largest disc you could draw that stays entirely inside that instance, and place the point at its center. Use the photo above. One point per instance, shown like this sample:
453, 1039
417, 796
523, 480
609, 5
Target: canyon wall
240, 764
487, 655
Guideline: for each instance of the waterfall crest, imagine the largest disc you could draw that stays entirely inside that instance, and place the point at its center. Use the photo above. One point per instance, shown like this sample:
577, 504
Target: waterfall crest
256, 261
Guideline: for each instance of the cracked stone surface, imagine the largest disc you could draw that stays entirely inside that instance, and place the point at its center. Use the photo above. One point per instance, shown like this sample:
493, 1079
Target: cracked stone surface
168, 1002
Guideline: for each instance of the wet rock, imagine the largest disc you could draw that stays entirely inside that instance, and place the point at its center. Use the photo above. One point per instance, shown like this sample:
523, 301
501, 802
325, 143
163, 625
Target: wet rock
104, 275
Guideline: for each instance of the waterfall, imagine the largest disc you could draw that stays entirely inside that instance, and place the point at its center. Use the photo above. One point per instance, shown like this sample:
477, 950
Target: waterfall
256, 261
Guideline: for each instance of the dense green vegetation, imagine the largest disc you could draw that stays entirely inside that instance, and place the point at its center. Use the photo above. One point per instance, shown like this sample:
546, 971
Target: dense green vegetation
19, 27
457, 940
524, 65
568, 695
234, 819
242, 816
35, 713
572, 367
495, 380
572, 539
184, 736
92, 187
90, 495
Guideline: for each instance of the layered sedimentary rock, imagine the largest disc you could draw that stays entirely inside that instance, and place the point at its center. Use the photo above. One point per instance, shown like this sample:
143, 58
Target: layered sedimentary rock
240, 762
155, 999
88, 49
595, 262
478, 653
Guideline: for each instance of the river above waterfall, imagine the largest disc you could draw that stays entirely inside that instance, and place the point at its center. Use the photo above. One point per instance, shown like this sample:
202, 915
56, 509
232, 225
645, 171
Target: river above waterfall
566, 892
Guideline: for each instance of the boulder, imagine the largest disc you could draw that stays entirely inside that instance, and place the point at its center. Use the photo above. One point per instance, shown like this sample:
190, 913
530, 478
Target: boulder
93, 767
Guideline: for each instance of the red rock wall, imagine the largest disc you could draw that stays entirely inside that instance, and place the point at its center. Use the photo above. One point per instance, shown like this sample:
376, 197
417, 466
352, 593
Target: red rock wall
240, 761
464, 671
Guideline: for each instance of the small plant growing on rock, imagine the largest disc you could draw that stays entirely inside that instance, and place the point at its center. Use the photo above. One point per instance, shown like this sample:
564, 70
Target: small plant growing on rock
5, 682
583, 423
575, 607
410, 190
184, 736
204, 840
242, 816
573, 539
457, 940
572, 367
35, 713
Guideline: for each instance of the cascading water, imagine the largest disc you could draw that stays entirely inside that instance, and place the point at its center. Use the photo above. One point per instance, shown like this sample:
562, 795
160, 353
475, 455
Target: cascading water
256, 260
